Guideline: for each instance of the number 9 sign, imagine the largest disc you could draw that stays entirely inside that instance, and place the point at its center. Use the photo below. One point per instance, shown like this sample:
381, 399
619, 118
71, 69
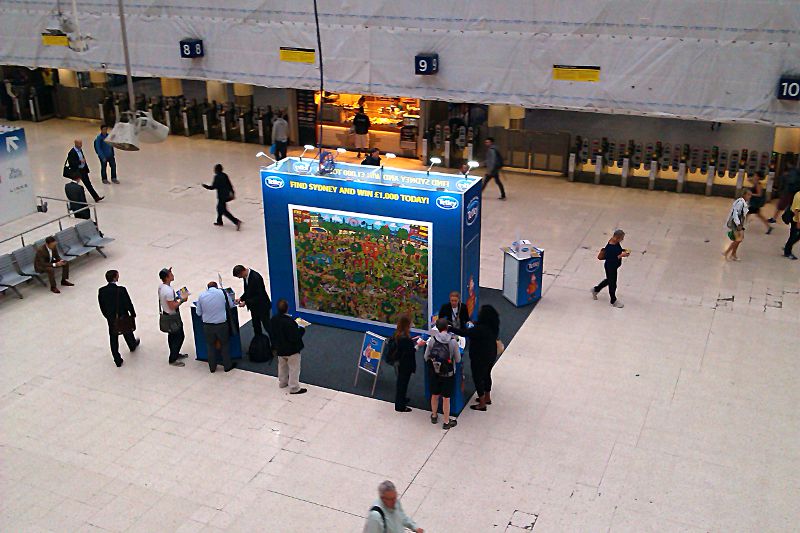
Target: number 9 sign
426, 64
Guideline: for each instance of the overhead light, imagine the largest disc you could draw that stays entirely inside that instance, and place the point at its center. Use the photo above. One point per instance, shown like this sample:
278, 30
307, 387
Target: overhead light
470, 165
140, 127
306, 148
434, 161
262, 154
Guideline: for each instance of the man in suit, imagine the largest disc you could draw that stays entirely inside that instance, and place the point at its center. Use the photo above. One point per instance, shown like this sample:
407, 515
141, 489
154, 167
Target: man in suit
77, 166
225, 193
115, 302
455, 311
77, 199
47, 260
255, 297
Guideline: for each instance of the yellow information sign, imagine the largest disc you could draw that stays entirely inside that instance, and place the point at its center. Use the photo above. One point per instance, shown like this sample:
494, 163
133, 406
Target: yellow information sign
297, 55
54, 40
576, 73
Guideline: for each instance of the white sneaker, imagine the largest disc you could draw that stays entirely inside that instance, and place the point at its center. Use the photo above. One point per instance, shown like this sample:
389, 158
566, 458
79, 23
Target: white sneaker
594, 294
618, 304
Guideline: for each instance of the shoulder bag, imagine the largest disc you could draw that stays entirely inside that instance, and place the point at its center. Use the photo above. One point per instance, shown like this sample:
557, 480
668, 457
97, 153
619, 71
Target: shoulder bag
169, 323
124, 324
601, 255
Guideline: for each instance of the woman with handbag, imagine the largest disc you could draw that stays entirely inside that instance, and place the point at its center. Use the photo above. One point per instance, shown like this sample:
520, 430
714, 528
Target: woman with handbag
222, 184
403, 352
117, 308
611, 255
484, 347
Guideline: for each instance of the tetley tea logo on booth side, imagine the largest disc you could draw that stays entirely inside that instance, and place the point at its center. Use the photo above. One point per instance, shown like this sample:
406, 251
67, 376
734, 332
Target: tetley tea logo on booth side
447, 202
473, 208
274, 182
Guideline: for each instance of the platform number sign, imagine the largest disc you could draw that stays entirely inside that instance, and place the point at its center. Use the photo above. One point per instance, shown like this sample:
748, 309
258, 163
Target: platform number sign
789, 89
426, 64
192, 48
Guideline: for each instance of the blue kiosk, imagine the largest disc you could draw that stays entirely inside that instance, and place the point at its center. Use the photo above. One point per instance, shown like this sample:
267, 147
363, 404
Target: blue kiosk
356, 246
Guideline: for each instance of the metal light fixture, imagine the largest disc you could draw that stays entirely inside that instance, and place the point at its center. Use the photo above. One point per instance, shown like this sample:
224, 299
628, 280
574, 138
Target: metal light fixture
470, 166
262, 154
389, 155
434, 161
306, 148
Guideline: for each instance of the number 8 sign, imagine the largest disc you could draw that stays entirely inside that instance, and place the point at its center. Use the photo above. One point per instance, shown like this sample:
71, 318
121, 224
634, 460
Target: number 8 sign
426, 64
192, 48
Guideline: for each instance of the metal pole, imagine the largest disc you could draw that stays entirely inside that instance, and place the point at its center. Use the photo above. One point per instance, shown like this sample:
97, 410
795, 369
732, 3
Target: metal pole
131, 97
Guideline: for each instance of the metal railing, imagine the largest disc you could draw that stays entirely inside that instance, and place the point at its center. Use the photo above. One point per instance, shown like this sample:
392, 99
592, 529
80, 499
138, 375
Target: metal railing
41, 207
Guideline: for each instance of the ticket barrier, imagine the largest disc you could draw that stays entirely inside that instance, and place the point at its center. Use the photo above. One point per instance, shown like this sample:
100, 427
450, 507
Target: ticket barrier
212, 127
190, 117
264, 125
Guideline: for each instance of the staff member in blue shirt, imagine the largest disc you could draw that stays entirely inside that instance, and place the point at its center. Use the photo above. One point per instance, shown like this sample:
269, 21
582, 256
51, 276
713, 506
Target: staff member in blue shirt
106, 154
210, 307
612, 254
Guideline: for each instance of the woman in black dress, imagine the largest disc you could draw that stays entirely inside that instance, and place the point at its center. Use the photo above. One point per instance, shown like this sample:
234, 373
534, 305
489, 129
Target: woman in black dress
482, 352
406, 358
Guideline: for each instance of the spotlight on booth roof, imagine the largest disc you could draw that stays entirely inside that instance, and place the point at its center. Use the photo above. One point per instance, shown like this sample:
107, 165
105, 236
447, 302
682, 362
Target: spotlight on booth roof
434, 161
390, 155
470, 166
263, 154
306, 148
139, 127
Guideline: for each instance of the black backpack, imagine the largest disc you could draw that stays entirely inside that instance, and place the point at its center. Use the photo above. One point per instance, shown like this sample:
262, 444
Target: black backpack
380, 512
788, 215
499, 163
260, 350
440, 359
390, 351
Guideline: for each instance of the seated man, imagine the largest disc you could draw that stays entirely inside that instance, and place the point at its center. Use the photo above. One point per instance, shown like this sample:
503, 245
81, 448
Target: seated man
455, 311
77, 198
47, 260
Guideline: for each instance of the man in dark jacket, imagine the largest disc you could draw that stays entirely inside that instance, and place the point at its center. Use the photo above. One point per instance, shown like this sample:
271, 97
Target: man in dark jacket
105, 152
455, 311
494, 162
373, 158
115, 302
222, 184
361, 126
287, 341
255, 297
77, 199
47, 260
76, 165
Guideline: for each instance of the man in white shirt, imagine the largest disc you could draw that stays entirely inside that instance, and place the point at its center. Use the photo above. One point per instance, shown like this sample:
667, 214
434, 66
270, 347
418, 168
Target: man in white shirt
387, 515
212, 308
280, 135
170, 302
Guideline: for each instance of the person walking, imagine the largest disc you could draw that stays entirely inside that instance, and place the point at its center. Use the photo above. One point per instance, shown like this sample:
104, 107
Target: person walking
76, 195
225, 193
213, 307
612, 255
482, 352
735, 225
494, 162
76, 165
442, 355
387, 514
255, 297
47, 260
403, 350
169, 304
794, 228
105, 152
280, 135
117, 308
790, 184
757, 201
287, 343
361, 125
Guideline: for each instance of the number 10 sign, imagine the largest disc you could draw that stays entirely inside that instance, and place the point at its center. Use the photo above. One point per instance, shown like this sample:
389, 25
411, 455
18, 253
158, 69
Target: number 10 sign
426, 64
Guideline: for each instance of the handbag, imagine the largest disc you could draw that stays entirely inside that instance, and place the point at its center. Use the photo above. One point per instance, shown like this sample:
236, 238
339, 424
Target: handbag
67, 171
500, 347
273, 148
124, 324
169, 323
601, 255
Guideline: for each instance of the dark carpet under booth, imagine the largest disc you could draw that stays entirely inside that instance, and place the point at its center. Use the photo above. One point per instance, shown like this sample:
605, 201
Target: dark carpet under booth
330, 356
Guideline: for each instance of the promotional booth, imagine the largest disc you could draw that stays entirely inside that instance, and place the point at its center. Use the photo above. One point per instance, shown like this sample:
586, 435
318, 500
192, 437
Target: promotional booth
523, 266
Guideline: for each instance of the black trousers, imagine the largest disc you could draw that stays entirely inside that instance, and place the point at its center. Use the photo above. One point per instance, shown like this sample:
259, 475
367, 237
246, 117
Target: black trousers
113, 338
481, 373
214, 333
175, 341
113, 164
401, 392
261, 319
794, 237
610, 282
88, 184
280, 149
494, 176
222, 209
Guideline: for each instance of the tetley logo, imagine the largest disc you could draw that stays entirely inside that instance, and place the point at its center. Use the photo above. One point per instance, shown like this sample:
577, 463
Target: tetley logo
473, 208
533, 265
274, 182
447, 202
463, 185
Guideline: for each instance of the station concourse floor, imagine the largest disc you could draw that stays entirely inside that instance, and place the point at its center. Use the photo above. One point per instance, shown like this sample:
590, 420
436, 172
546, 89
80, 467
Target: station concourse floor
677, 413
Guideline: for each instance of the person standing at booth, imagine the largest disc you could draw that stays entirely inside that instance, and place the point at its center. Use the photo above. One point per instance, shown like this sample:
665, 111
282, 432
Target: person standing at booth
482, 352
76, 165
287, 342
212, 307
116, 304
105, 152
403, 350
169, 304
455, 311
222, 184
373, 158
442, 355
255, 297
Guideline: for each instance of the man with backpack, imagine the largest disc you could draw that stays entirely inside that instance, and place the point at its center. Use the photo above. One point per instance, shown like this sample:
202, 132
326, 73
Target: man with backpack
441, 356
387, 515
494, 162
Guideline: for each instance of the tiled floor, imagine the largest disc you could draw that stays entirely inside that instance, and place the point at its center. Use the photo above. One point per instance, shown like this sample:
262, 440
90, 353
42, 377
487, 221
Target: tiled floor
676, 413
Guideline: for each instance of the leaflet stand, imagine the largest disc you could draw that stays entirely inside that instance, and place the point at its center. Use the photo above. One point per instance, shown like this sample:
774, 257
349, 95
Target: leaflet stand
370, 357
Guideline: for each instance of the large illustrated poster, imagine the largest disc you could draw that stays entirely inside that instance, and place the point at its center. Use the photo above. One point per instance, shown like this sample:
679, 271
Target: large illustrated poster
362, 266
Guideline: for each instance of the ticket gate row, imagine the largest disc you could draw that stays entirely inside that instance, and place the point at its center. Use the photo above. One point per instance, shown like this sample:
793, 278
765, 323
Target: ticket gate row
31, 103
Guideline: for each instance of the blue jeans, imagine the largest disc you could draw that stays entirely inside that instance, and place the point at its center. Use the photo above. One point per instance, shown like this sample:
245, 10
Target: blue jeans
111, 162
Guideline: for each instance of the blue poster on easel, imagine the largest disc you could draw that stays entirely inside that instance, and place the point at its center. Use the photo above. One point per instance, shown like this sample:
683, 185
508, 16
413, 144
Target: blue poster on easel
369, 358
